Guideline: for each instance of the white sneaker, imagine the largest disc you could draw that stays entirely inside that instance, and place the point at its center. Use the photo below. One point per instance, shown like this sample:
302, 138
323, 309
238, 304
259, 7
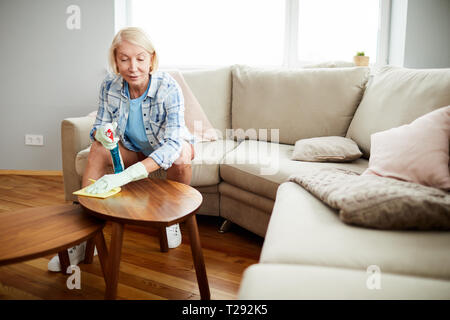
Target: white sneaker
76, 255
173, 235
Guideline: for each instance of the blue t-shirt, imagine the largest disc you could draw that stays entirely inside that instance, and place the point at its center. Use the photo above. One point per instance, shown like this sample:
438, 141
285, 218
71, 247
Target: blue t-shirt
135, 130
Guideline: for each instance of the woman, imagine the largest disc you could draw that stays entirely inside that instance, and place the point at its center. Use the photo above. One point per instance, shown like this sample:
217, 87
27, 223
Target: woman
148, 107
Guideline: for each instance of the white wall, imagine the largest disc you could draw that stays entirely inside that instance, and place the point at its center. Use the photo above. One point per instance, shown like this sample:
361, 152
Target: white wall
427, 41
420, 33
48, 73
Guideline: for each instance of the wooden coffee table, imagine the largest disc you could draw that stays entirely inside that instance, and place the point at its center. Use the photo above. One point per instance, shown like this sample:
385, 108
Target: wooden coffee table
35, 232
153, 203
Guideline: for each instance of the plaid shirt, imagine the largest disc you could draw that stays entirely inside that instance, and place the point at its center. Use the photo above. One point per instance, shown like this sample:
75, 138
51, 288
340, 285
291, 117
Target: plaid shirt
162, 114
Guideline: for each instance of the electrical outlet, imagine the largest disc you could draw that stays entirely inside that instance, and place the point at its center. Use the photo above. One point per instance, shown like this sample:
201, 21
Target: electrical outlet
39, 139
28, 140
34, 139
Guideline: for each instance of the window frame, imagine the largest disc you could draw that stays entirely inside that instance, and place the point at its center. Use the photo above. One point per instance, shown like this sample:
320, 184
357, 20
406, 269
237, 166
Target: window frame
291, 59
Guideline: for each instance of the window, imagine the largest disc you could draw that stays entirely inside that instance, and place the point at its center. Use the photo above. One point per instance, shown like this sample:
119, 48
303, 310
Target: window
198, 33
336, 30
213, 32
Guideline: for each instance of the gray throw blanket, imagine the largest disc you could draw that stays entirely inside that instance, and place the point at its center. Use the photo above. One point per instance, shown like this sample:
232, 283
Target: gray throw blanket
378, 202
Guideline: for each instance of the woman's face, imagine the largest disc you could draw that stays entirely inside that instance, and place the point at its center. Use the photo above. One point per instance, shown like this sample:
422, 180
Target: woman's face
133, 63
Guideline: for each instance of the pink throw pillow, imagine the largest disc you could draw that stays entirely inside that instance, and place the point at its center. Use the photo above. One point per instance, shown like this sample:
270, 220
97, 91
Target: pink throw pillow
417, 152
92, 114
195, 118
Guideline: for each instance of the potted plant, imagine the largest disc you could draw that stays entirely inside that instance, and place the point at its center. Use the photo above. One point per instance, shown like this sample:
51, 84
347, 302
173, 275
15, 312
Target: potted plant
361, 59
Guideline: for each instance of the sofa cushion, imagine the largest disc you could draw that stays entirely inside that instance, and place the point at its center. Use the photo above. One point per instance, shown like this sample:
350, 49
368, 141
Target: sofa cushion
260, 166
300, 103
266, 281
322, 149
205, 166
397, 96
330, 64
304, 230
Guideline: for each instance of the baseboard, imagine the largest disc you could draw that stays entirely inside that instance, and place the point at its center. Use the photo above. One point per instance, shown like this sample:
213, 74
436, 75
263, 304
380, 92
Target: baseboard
31, 172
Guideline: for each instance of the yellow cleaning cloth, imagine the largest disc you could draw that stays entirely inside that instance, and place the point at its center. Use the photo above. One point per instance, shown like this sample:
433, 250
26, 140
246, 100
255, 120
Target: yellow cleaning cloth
110, 193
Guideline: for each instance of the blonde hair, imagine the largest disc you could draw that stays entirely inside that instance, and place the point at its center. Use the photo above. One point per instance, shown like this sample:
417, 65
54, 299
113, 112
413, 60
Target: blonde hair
135, 36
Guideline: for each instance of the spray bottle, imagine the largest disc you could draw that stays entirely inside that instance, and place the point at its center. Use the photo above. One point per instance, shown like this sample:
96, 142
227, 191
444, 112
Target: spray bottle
105, 135
115, 154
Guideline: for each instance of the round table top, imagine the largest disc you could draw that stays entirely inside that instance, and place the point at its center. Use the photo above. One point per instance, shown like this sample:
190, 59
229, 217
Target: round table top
35, 232
151, 202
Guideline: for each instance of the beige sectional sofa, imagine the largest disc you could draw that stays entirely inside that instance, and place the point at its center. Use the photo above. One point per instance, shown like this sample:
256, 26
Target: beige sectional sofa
308, 252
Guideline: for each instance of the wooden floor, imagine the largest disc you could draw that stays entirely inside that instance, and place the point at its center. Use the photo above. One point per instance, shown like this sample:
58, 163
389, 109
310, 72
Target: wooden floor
145, 272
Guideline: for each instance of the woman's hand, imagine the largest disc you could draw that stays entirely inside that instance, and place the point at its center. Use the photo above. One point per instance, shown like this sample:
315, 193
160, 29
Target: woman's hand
106, 135
107, 183
110, 181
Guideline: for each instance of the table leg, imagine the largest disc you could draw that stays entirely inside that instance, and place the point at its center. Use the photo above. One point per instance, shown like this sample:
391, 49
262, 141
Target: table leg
197, 256
163, 243
114, 260
102, 254
64, 261
89, 252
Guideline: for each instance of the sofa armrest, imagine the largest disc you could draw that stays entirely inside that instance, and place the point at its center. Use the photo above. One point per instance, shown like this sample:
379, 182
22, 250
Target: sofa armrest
74, 138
